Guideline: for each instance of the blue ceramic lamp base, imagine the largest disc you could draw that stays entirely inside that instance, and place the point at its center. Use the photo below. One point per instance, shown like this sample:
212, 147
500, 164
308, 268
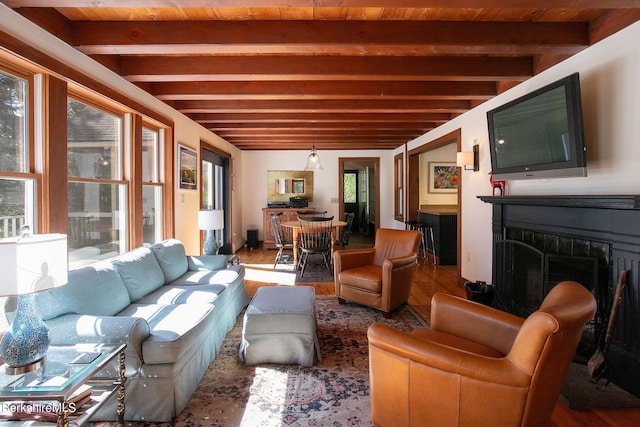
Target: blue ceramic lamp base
211, 247
25, 344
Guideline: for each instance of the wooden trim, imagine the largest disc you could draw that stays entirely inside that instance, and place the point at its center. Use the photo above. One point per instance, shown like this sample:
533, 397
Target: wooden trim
135, 211
397, 215
413, 181
55, 203
167, 169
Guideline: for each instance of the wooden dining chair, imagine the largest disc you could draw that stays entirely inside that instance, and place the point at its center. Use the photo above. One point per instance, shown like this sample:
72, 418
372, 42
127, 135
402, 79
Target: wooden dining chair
283, 239
346, 231
312, 214
314, 238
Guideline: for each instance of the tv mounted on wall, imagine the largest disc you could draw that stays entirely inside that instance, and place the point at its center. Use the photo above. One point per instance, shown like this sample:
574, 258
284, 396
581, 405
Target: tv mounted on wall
539, 135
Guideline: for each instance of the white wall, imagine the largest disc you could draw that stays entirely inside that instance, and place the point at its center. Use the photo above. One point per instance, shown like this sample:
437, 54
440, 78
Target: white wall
610, 86
325, 183
186, 131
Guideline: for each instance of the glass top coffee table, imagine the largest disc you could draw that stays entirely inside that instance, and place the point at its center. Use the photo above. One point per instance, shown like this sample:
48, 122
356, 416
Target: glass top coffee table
70, 386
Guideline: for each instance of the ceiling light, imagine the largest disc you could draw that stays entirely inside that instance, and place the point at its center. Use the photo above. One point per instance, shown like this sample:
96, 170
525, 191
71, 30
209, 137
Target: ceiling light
313, 161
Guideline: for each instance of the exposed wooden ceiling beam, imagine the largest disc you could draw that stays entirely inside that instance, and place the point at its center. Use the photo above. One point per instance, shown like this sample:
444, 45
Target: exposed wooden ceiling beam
255, 68
338, 132
334, 106
371, 144
326, 125
304, 117
324, 90
473, 4
348, 38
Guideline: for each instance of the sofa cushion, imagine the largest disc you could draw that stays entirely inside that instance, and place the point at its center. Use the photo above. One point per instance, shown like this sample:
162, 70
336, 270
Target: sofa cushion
139, 271
96, 290
231, 275
171, 257
170, 294
207, 262
175, 329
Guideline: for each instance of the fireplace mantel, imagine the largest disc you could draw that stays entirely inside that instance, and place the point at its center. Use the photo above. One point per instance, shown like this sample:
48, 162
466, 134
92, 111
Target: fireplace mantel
591, 201
609, 221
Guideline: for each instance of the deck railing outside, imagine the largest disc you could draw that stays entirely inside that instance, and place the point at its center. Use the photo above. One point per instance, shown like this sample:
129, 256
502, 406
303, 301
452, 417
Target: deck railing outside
10, 225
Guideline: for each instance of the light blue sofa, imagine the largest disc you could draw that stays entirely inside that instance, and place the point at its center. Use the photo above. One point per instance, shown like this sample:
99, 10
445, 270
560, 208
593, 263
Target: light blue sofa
172, 311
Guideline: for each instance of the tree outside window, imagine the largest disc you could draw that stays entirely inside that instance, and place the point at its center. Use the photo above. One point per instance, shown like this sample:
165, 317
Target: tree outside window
349, 182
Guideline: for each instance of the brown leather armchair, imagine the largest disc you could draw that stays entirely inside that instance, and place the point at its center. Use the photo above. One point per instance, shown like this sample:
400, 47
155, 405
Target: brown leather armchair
378, 277
477, 366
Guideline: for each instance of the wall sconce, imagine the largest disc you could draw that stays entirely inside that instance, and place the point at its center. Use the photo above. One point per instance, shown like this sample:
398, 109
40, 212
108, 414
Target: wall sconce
469, 160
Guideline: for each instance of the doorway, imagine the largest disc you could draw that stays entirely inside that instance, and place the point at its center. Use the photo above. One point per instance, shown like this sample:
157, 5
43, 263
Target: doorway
215, 192
359, 192
413, 181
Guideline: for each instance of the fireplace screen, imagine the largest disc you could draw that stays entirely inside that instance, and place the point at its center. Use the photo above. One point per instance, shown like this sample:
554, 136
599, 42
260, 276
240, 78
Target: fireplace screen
524, 275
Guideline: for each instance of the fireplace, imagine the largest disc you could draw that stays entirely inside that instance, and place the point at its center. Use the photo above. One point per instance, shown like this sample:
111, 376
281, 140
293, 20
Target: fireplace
529, 264
539, 241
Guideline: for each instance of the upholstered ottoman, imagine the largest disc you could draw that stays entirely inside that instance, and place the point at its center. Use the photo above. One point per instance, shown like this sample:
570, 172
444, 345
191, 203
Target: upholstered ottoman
280, 327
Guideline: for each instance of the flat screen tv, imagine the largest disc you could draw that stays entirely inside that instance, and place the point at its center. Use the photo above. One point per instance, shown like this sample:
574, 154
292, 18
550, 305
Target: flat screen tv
539, 135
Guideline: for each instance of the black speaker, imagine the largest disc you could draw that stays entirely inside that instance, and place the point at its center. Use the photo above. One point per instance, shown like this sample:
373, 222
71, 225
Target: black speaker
252, 239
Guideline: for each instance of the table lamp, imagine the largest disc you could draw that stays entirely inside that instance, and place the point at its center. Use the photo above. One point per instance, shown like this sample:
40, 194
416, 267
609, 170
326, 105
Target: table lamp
209, 221
29, 264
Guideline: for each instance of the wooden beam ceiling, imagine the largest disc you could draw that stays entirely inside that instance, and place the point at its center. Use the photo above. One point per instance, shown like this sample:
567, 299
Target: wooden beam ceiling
345, 74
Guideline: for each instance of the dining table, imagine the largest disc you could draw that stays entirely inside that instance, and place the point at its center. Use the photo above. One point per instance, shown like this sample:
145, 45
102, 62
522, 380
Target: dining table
336, 225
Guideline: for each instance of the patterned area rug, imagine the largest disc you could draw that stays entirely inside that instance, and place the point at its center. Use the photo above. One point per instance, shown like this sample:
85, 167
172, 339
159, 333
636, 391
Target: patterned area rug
334, 392
315, 272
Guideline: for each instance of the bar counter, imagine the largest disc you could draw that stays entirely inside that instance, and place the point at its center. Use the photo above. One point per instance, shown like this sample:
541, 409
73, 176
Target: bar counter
444, 221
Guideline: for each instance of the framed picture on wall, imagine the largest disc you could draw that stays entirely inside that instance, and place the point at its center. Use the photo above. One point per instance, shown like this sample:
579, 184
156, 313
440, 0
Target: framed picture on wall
187, 168
443, 177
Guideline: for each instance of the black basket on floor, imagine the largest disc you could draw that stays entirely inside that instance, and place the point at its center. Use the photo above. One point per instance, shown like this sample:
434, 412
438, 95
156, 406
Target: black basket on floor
481, 292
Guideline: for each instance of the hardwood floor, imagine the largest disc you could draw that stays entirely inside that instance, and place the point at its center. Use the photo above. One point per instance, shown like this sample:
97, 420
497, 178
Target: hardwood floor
429, 280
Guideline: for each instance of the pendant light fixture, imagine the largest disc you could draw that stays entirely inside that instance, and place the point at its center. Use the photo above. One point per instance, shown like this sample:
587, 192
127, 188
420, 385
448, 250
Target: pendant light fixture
313, 161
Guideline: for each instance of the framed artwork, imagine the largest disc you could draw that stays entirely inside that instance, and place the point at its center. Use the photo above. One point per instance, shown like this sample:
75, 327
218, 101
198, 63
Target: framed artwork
443, 177
187, 168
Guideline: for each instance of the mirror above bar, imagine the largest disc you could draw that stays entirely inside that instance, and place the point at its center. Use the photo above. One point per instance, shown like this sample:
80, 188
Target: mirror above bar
282, 184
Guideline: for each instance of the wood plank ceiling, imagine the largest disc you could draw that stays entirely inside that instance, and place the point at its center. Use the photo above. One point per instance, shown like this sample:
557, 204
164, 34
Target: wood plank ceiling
341, 74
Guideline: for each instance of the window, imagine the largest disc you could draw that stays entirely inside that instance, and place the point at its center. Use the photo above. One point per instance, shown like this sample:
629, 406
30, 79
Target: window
105, 214
97, 191
152, 144
17, 180
17, 183
349, 189
398, 173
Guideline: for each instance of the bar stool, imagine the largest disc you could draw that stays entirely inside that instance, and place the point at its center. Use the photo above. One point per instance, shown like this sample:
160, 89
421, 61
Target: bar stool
427, 234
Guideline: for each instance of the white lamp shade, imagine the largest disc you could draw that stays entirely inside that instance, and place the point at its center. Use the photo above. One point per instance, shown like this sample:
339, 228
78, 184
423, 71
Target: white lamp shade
464, 158
211, 219
33, 263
